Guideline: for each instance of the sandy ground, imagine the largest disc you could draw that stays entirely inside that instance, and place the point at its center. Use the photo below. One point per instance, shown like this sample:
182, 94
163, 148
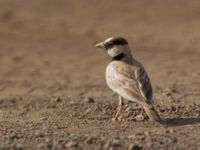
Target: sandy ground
53, 93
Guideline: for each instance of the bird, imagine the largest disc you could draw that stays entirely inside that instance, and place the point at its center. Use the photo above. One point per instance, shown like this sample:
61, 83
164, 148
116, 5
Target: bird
127, 77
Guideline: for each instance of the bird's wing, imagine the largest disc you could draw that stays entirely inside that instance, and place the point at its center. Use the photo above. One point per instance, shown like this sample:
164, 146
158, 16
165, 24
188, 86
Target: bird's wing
144, 83
135, 79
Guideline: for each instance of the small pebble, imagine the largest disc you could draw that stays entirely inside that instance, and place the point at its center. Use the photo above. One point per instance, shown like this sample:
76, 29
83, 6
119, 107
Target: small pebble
175, 140
134, 147
57, 99
19, 146
107, 144
48, 140
89, 100
116, 143
169, 131
40, 145
39, 134
89, 140
71, 144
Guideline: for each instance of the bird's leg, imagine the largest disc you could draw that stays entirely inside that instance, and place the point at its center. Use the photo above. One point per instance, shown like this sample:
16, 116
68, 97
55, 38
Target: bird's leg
119, 109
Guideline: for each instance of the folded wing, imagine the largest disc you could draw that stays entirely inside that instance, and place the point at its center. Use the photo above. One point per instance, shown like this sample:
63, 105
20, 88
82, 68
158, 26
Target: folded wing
134, 79
144, 83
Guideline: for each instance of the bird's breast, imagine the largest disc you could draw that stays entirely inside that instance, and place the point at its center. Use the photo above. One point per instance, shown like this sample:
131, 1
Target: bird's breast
119, 79
111, 74
117, 67
116, 72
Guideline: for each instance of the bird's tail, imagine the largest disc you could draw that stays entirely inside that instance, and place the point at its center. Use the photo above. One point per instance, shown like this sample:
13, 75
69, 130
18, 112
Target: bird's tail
152, 112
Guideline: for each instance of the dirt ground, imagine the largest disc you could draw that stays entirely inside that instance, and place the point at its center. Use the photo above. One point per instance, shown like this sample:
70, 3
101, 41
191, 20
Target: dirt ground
53, 94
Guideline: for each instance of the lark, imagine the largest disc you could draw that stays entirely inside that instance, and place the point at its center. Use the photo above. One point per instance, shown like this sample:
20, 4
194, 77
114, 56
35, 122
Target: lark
127, 77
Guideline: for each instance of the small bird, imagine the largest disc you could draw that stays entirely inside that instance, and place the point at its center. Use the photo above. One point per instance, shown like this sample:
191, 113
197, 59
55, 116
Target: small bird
127, 77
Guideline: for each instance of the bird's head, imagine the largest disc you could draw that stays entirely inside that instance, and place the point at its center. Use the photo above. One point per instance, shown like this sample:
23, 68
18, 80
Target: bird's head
116, 47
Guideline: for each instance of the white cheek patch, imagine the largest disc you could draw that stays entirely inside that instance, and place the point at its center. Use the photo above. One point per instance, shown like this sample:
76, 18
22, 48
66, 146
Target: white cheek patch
115, 51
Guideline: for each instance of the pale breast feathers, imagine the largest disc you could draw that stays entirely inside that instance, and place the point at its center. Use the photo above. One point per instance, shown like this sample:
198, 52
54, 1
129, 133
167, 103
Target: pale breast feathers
134, 78
123, 75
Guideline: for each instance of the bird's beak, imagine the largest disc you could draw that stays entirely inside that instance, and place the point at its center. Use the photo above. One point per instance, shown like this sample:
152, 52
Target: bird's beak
100, 45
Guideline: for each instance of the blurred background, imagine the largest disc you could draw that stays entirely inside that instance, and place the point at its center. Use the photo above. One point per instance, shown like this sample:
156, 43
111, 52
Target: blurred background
48, 62
54, 40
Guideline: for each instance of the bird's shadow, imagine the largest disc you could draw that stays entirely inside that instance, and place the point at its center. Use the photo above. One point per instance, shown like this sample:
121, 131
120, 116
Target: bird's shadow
181, 121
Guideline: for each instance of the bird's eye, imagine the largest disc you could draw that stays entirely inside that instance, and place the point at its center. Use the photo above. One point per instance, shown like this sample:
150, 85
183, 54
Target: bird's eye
109, 45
